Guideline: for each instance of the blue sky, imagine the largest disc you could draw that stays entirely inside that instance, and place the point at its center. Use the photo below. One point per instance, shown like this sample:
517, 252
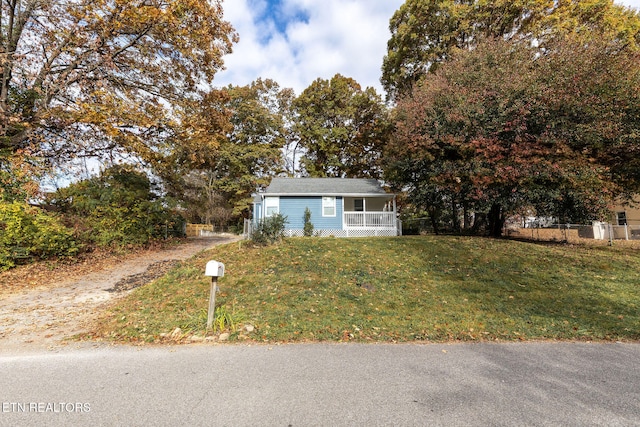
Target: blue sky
280, 13
296, 41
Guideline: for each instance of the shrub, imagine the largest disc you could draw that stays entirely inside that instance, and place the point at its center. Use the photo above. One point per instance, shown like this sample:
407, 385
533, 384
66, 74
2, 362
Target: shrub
269, 230
29, 232
118, 208
307, 230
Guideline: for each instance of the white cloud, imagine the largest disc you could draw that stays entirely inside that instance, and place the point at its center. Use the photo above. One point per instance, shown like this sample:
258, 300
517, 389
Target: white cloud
346, 37
322, 38
631, 3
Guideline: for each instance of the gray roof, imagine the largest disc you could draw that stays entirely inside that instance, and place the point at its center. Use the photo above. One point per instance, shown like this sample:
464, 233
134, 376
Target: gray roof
325, 187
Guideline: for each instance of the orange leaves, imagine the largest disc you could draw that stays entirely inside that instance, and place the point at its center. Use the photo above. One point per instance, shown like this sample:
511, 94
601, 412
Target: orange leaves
109, 73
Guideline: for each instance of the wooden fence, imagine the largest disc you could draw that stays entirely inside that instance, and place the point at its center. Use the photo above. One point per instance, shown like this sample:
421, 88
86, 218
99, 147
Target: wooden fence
194, 230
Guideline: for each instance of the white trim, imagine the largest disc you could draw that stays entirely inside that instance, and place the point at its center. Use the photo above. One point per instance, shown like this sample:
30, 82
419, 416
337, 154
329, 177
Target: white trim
364, 232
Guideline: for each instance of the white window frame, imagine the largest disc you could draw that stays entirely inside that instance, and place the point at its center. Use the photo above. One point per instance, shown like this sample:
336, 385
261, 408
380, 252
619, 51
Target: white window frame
271, 203
329, 203
621, 218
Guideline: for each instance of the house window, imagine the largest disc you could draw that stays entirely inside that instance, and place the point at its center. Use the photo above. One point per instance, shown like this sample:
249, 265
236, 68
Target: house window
358, 205
328, 206
271, 206
622, 218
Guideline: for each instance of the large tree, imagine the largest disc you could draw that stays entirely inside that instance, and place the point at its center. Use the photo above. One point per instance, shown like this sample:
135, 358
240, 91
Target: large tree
424, 33
341, 128
246, 158
506, 126
89, 77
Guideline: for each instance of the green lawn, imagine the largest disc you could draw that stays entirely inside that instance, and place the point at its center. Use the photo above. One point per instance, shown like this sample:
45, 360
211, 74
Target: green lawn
433, 288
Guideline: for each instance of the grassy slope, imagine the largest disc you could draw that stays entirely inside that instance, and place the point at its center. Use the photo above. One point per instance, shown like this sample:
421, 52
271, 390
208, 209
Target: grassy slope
397, 289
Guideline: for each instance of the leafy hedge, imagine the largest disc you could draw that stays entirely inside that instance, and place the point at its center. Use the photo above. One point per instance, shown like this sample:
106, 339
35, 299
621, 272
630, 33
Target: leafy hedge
118, 208
121, 207
27, 232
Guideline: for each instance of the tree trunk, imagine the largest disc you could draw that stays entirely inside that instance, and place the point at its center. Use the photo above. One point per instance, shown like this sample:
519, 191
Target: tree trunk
496, 220
455, 220
466, 216
434, 217
434, 224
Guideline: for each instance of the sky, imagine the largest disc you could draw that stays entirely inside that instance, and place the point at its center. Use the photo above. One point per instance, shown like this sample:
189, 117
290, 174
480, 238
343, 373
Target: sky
295, 42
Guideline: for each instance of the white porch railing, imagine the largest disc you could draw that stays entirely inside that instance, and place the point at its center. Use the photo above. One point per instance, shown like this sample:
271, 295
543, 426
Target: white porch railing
369, 220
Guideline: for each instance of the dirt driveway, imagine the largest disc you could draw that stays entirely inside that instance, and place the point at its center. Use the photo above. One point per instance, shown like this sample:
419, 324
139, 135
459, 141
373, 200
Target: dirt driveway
42, 313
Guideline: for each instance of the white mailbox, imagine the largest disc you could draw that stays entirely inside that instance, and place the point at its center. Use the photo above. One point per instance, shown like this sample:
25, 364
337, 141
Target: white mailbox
214, 269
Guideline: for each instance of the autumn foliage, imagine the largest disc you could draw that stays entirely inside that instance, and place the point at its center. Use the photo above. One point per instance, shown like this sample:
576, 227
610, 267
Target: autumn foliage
113, 80
104, 78
426, 33
507, 128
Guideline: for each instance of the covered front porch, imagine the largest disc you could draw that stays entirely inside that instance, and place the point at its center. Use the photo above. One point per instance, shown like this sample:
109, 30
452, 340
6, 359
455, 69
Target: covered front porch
371, 216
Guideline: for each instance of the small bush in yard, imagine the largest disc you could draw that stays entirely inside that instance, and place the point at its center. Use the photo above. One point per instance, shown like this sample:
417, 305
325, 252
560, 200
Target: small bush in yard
308, 225
269, 230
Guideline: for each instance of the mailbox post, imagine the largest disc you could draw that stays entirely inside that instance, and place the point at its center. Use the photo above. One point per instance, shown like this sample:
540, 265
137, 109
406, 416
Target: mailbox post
214, 269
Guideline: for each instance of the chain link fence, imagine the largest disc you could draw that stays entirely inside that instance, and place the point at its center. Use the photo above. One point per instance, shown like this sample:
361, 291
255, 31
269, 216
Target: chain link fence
597, 232
546, 231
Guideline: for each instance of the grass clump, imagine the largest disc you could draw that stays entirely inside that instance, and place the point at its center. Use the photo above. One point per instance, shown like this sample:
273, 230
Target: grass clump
422, 288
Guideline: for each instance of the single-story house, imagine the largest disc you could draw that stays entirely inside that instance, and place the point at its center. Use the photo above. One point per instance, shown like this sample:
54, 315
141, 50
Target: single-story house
340, 207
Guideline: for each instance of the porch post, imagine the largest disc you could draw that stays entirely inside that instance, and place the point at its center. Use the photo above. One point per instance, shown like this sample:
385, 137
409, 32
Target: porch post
364, 212
395, 215
344, 217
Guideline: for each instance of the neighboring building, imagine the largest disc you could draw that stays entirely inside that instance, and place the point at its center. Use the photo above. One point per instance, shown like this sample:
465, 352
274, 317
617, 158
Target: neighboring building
627, 214
340, 207
626, 221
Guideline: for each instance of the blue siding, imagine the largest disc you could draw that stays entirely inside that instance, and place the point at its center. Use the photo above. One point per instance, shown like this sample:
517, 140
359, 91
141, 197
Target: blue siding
293, 208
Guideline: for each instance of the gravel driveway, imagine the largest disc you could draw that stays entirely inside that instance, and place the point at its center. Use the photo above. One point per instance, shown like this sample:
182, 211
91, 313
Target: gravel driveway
43, 316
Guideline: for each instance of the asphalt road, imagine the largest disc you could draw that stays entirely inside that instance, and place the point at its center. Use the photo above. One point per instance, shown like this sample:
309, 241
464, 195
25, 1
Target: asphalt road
533, 384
